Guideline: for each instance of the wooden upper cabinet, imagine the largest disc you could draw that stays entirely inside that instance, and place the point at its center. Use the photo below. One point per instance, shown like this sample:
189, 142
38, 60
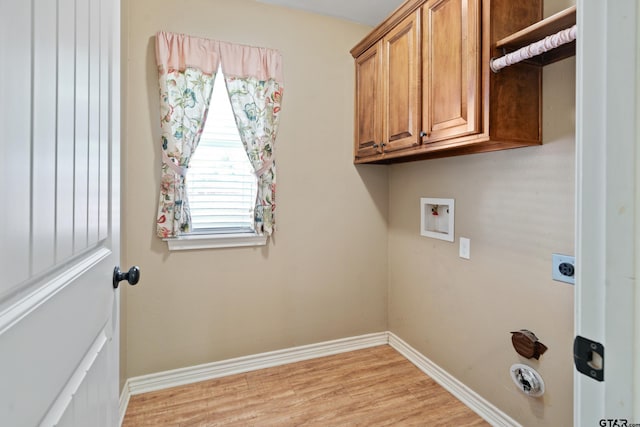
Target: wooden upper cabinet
450, 69
388, 92
369, 97
424, 88
401, 85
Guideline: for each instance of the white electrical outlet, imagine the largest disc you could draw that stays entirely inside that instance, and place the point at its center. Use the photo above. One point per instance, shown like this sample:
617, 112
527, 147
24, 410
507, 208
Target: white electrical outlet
465, 248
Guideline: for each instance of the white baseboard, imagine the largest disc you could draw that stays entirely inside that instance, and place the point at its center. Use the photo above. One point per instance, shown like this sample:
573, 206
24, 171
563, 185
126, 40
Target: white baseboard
470, 398
208, 371
125, 395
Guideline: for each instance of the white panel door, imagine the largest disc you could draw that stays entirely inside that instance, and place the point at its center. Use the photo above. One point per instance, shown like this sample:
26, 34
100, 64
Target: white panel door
59, 227
607, 216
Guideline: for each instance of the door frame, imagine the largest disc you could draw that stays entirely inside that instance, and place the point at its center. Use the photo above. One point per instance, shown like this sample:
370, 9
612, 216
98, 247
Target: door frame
607, 203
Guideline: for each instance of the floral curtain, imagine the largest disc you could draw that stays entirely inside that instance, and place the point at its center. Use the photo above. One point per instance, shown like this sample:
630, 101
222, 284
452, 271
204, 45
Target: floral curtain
253, 76
186, 68
254, 81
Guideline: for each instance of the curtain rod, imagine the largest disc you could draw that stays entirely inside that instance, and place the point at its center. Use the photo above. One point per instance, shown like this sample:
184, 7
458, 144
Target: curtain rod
534, 49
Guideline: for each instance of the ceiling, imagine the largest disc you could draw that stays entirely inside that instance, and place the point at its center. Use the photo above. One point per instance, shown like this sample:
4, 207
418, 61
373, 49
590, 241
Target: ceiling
366, 12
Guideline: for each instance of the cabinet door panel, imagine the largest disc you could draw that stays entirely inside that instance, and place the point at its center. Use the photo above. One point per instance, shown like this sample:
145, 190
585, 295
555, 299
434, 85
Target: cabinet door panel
368, 99
451, 68
401, 72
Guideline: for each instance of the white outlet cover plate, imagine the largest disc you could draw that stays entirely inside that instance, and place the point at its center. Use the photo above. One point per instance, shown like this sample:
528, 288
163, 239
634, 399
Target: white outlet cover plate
465, 248
556, 260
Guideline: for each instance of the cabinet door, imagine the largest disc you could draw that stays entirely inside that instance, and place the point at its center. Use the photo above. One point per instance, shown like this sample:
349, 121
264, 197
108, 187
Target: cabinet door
401, 85
368, 103
451, 68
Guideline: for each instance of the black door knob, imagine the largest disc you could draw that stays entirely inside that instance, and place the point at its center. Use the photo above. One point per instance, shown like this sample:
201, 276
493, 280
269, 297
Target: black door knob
132, 276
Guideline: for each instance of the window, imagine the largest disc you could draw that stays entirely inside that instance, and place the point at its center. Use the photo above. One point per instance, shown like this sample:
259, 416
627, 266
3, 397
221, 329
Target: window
221, 185
186, 82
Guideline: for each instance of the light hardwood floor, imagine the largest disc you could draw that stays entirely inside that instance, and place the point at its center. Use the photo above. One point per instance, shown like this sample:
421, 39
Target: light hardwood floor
371, 387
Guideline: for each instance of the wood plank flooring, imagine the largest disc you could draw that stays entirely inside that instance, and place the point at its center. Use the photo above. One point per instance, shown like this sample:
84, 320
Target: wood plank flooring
371, 387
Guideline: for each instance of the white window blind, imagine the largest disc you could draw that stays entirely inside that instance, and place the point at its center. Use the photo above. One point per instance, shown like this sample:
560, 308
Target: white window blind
221, 185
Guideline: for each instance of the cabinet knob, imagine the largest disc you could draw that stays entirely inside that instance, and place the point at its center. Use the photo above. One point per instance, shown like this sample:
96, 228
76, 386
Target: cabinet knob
375, 145
423, 134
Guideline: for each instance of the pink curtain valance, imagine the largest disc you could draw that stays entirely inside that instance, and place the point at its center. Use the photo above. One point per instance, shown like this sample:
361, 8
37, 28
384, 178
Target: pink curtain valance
248, 61
179, 51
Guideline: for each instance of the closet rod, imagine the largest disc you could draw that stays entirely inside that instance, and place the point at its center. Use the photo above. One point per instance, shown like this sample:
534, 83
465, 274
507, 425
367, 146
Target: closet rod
534, 49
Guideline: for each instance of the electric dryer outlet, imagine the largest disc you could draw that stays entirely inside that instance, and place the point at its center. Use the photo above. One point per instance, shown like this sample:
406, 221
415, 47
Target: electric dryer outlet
564, 268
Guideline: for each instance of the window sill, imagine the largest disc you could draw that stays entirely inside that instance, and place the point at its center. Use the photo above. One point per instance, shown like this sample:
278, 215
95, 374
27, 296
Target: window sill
215, 241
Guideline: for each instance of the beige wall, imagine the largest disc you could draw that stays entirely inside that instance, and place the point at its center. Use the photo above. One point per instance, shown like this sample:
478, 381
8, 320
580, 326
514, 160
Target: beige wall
517, 207
324, 275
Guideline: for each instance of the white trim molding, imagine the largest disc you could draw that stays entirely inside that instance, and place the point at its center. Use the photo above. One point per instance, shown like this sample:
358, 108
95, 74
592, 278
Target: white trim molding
208, 371
215, 241
125, 396
607, 110
470, 398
